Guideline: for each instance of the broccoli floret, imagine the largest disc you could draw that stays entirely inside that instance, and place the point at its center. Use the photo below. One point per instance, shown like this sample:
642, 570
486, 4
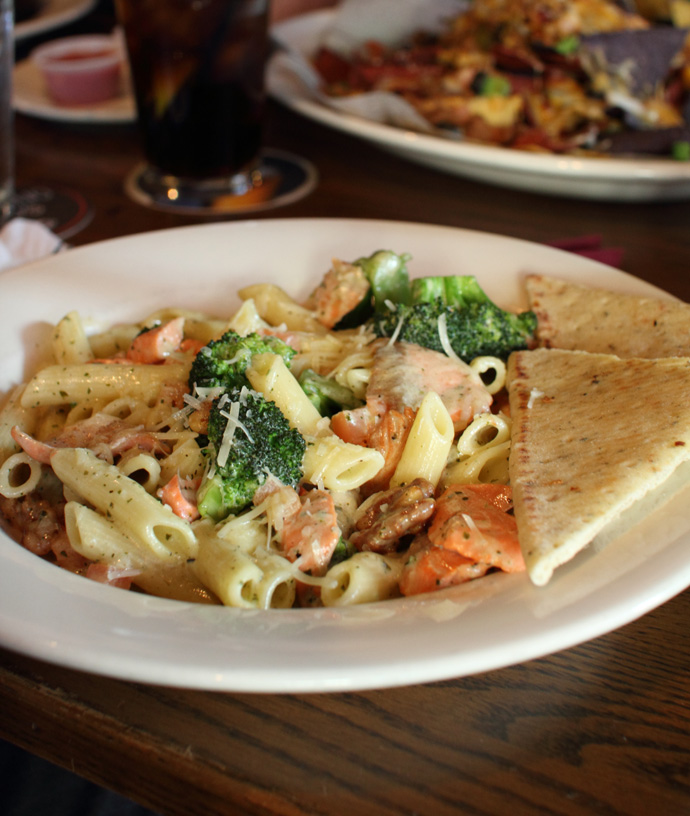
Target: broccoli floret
387, 274
263, 444
327, 396
453, 290
343, 550
389, 283
223, 362
458, 309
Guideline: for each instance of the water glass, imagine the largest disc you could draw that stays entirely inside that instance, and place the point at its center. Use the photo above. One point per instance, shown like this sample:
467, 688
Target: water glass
6, 111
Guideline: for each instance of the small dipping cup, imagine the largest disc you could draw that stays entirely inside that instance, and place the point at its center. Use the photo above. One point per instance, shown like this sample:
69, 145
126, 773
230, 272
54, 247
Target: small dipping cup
82, 70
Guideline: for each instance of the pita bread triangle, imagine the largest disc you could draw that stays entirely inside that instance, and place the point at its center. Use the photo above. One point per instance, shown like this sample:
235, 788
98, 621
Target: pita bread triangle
571, 316
592, 434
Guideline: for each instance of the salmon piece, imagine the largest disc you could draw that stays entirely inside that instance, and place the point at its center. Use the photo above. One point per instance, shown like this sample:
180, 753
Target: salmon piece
191, 346
155, 345
388, 437
311, 534
95, 433
113, 576
472, 520
471, 532
404, 373
354, 425
180, 496
130, 438
343, 288
87, 433
37, 450
430, 567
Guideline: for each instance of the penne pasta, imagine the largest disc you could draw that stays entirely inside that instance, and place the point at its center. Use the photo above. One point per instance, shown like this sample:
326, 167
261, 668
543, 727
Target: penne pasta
269, 375
62, 385
338, 465
247, 320
492, 370
367, 577
70, 344
143, 468
483, 450
140, 516
186, 459
484, 431
100, 540
116, 340
488, 465
228, 571
12, 413
19, 475
426, 450
277, 308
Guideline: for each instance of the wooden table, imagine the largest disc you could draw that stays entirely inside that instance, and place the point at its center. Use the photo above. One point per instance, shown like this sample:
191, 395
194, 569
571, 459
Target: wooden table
603, 728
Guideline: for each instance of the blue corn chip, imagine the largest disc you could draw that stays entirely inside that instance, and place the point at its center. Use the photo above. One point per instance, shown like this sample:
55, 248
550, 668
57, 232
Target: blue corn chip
648, 52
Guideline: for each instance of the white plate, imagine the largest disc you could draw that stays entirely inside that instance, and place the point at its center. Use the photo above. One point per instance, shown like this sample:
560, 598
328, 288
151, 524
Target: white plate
489, 623
29, 96
616, 179
52, 14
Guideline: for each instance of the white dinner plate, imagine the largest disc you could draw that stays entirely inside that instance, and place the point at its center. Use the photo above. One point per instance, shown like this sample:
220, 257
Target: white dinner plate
52, 14
615, 179
30, 96
492, 622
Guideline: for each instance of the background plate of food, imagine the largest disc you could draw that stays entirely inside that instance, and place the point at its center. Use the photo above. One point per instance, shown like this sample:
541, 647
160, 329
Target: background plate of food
482, 624
589, 108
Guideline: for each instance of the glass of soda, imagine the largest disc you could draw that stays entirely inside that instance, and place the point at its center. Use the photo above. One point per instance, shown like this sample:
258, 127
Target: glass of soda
197, 69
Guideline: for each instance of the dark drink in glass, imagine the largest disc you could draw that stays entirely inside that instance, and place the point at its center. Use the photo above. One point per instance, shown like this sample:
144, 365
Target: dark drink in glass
198, 75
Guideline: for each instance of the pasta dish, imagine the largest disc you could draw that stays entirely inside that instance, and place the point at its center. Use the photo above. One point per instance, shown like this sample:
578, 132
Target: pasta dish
346, 449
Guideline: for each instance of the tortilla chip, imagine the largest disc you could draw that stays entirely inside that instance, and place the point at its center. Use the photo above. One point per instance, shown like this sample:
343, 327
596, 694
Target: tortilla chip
592, 434
571, 316
643, 58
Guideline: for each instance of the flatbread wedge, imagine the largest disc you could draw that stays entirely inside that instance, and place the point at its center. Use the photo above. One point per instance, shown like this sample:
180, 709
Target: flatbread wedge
591, 435
571, 316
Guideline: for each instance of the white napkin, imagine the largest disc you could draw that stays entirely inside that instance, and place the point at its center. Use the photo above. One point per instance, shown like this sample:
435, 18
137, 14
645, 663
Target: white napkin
23, 240
354, 22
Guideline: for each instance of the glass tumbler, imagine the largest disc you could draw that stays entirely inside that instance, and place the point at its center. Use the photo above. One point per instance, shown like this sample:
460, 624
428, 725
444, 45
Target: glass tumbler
6, 111
197, 70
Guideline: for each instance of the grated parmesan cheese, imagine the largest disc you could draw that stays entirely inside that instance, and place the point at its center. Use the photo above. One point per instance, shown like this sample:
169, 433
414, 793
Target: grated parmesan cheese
397, 331
229, 433
470, 522
445, 340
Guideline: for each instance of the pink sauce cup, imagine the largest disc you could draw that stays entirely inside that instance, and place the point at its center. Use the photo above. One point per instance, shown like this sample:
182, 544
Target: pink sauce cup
81, 70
